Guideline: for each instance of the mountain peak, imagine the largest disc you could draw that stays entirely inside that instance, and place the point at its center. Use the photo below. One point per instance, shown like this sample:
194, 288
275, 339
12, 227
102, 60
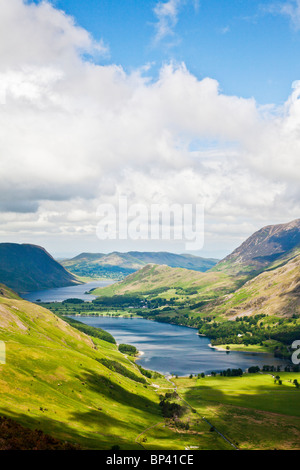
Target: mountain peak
263, 247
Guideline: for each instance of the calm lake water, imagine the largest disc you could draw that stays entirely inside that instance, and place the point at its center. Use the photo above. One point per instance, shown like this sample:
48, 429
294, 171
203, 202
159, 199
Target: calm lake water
175, 349
63, 293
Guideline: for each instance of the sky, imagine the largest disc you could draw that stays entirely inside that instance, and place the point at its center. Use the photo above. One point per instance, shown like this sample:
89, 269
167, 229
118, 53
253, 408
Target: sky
161, 102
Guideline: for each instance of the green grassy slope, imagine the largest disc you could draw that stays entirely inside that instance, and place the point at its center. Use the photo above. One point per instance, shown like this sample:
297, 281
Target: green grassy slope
29, 267
61, 381
251, 411
8, 293
53, 380
153, 277
173, 260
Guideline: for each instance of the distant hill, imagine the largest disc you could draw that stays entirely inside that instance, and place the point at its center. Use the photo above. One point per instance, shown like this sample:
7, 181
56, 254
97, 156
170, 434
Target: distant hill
262, 249
158, 278
26, 268
186, 261
118, 265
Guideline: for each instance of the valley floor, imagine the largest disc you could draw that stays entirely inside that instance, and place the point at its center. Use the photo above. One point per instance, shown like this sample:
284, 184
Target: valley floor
252, 411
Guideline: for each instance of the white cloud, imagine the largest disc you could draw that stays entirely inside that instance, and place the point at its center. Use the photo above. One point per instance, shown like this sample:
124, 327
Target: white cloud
290, 9
74, 134
167, 16
37, 34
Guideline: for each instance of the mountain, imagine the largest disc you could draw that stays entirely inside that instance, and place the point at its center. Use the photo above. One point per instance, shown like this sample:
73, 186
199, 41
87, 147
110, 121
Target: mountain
118, 265
275, 292
26, 268
262, 249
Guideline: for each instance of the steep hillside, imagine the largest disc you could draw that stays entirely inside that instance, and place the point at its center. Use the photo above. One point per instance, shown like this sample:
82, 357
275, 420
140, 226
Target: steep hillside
262, 249
273, 292
54, 380
118, 265
79, 389
14, 436
26, 268
8, 293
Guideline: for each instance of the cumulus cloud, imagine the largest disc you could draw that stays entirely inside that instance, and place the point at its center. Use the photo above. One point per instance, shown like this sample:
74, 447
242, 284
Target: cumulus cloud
74, 134
39, 34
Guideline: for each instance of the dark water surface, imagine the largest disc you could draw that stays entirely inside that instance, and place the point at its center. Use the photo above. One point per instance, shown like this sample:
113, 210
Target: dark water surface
63, 293
175, 349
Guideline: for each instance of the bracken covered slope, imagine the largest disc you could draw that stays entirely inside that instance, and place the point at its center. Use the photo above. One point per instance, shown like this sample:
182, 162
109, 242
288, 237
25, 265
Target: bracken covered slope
273, 292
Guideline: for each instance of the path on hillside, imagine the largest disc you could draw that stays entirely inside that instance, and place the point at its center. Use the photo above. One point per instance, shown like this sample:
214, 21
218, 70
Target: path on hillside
145, 430
168, 377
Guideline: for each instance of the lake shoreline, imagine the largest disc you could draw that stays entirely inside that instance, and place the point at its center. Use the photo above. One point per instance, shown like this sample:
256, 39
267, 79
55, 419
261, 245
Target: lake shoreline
175, 349
58, 295
221, 348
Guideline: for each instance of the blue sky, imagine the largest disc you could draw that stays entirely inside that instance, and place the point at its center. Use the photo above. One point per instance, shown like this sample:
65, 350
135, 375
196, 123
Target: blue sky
248, 46
160, 101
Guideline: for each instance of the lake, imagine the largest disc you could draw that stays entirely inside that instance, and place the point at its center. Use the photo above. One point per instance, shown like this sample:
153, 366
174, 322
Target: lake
178, 350
63, 293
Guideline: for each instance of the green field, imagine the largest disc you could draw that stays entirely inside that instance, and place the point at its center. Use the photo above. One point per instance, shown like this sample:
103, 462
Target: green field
251, 411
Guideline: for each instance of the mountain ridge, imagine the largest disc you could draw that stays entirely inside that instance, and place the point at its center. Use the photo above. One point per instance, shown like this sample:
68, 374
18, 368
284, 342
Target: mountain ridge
119, 265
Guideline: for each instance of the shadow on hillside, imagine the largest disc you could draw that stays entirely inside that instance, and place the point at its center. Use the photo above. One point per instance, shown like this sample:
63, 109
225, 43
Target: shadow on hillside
262, 419
270, 398
90, 439
103, 385
93, 427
